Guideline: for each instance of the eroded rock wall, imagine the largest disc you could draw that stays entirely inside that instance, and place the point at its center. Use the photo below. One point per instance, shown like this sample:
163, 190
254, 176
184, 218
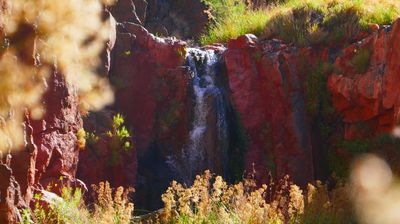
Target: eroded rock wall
369, 94
266, 85
152, 92
184, 19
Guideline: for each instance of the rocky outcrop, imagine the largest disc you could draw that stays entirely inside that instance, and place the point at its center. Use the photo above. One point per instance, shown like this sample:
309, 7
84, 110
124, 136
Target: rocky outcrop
11, 201
55, 134
130, 11
50, 155
152, 92
185, 19
364, 85
267, 91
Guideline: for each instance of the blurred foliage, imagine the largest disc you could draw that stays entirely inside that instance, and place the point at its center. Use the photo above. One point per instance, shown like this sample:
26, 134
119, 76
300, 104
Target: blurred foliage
33, 48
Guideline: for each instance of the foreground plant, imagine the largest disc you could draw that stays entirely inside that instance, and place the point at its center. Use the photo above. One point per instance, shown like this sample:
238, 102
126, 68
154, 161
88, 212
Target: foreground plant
211, 200
110, 206
39, 37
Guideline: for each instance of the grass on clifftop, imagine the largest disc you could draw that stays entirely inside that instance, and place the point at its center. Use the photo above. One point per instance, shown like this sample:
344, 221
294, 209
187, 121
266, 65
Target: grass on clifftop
303, 22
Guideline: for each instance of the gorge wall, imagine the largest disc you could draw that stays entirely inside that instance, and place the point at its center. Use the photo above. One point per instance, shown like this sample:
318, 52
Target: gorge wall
253, 105
263, 106
184, 19
288, 110
50, 155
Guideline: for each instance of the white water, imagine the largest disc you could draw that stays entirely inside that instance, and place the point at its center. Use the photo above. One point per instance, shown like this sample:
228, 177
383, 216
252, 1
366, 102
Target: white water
194, 159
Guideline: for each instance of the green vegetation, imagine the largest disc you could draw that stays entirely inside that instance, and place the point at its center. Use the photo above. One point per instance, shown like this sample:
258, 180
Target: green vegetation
361, 60
81, 138
384, 145
303, 22
111, 207
232, 18
181, 53
318, 97
118, 140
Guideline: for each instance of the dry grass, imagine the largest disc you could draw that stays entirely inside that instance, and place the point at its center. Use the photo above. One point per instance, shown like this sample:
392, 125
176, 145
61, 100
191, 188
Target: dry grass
303, 22
211, 200
371, 196
110, 206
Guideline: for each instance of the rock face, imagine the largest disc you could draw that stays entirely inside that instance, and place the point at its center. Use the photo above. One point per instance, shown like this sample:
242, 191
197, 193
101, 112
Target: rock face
50, 150
152, 92
55, 135
97, 163
267, 91
268, 127
185, 19
364, 89
10, 197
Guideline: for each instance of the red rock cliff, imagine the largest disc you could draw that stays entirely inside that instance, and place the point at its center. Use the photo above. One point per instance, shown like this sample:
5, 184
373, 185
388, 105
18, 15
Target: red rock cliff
369, 95
267, 91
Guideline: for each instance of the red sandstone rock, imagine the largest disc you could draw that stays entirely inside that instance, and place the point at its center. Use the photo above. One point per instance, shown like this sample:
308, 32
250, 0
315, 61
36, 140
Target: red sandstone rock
10, 197
266, 87
51, 149
185, 19
55, 135
372, 97
152, 91
148, 74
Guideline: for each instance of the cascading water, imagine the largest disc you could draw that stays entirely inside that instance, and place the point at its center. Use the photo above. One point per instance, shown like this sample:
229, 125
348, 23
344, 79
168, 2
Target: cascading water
208, 139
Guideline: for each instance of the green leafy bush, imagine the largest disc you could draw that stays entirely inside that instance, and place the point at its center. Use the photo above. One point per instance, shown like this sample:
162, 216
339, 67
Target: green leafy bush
118, 140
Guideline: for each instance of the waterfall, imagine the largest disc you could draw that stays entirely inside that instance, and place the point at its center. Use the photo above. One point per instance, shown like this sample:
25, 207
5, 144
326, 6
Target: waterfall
208, 139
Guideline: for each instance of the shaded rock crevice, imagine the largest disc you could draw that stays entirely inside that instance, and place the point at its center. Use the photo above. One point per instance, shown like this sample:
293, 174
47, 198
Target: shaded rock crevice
184, 19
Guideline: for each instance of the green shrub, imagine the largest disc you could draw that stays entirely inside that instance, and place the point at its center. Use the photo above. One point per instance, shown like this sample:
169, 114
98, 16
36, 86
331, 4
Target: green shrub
118, 140
361, 60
